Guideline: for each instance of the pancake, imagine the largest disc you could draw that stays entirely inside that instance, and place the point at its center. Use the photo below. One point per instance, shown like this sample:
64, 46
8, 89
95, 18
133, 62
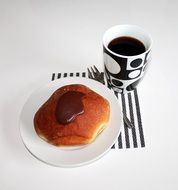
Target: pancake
83, 128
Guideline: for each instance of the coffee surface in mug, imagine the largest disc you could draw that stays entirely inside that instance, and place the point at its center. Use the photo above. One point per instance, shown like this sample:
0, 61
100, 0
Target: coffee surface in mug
127, 46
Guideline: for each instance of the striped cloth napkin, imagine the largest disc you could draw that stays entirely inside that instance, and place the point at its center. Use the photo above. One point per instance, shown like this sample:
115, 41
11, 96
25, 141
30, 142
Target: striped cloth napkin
128, 138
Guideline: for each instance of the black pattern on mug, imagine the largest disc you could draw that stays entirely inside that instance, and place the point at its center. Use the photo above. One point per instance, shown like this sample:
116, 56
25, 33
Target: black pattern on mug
119, 70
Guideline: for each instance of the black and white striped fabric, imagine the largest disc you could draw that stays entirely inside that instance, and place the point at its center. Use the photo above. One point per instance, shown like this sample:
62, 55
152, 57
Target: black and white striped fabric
128, 138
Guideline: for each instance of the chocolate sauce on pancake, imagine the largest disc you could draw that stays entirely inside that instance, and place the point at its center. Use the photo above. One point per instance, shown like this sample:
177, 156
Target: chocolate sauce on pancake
69, 106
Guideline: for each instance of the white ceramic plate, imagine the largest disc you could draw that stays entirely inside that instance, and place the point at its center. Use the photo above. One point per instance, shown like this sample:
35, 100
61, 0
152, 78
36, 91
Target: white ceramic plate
66, 157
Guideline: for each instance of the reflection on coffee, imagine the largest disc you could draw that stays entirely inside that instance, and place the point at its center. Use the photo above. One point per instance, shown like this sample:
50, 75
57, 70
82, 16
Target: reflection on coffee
127, 46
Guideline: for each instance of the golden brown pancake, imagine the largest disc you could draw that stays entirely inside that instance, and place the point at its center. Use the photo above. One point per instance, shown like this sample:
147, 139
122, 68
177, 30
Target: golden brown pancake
83, 129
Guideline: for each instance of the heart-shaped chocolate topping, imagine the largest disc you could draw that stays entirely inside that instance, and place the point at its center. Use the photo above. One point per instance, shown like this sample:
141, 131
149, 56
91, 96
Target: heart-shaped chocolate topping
69, 106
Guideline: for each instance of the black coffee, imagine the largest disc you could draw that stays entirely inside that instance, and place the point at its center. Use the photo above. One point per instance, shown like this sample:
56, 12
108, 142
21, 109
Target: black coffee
126, 46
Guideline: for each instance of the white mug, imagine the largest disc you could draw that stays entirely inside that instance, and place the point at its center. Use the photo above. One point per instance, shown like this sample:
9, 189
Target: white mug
123, 72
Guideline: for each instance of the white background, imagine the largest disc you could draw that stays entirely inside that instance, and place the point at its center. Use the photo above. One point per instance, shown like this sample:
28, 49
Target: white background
41, 37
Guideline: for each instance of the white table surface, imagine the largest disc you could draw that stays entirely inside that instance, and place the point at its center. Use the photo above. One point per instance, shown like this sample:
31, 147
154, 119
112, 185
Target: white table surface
38, 38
